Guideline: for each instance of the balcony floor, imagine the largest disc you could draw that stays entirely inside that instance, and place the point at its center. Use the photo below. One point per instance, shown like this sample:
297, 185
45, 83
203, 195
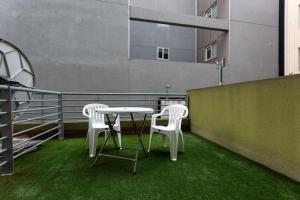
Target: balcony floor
61, 170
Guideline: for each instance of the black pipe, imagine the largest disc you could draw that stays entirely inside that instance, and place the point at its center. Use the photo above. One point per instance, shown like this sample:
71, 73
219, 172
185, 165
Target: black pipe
281, 37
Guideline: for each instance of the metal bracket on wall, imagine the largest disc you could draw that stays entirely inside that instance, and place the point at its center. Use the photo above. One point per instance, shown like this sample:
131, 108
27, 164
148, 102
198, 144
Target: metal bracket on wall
220, 65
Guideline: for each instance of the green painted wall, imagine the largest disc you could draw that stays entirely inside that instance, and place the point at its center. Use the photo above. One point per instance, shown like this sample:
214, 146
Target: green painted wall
260, 120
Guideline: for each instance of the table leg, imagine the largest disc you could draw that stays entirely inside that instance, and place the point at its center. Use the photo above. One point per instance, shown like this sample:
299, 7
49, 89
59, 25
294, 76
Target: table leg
112, 130
139, 132
139, 141
106, 140
103, 145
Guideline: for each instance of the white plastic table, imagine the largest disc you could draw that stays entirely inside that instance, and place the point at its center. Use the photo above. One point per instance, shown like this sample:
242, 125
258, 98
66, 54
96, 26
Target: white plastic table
124, 110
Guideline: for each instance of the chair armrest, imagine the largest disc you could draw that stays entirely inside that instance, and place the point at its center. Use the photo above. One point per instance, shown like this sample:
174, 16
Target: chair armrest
154, 117
178, 122
85, 113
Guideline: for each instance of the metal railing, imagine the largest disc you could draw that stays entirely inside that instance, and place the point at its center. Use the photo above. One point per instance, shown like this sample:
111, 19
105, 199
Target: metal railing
47, 111
73, 102
15, 143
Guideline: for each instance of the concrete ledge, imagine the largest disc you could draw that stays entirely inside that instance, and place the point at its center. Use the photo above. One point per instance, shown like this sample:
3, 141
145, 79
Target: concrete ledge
153, 16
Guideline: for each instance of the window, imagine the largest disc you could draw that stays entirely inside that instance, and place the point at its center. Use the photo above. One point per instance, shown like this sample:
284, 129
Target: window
162, 53
211, 51
212, 12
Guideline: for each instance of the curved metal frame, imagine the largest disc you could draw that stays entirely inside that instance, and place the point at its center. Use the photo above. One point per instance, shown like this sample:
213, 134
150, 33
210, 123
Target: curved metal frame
22, 54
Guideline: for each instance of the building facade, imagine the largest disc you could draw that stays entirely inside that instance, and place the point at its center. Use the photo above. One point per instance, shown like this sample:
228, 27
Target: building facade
292, 37
162, 41
142, 46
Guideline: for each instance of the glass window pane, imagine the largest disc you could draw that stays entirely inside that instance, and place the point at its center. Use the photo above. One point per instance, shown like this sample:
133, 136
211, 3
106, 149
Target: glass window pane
160, 53
214, 50
208, 52
215, 11
209, 14
166, 54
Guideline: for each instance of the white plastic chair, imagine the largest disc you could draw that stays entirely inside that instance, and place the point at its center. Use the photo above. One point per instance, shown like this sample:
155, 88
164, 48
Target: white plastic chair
97, 125
171, 132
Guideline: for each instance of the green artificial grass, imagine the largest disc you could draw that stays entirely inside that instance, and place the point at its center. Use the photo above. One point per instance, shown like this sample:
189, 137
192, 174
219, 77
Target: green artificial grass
62, 170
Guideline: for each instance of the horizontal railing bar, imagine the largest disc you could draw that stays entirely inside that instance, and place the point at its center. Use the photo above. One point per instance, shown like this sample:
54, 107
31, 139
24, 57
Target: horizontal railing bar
5, 87
3, 113
38, 144
2, 151
33, 90
35, 100
123, 94
34, 106
136, 105
3, 163
36, 113
122, 117
35, 118
74, 117
71, 112
35, 109
79, 106
36, 136
3, 100
34, 128
3, 125
88, 93
66, 112
85, 104
3, 138
119, 99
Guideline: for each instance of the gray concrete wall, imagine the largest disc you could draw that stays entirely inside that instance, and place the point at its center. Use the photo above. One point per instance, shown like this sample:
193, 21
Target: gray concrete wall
186, 7
73, 45
253, 43
82, 46
153, 75
146, 37
79, 45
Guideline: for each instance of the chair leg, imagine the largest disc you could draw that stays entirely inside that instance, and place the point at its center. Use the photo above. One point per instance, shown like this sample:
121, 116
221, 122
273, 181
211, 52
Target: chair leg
165, 140
173, 143
93, 139
87, 137
119, 140
181, 136
150, 139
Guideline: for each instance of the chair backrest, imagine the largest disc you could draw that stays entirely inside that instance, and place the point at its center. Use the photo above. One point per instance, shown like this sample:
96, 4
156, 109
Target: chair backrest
90, 112
176, 111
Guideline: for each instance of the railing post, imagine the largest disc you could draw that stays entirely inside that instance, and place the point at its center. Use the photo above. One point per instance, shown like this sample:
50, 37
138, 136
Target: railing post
7, 143
42, 105
61, 128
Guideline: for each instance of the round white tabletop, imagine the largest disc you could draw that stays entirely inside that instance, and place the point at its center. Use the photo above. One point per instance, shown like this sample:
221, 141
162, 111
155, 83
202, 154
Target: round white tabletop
120, 110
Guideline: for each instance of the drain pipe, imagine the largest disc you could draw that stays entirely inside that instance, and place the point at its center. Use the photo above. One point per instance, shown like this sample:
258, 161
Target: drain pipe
220, 65
167, 86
